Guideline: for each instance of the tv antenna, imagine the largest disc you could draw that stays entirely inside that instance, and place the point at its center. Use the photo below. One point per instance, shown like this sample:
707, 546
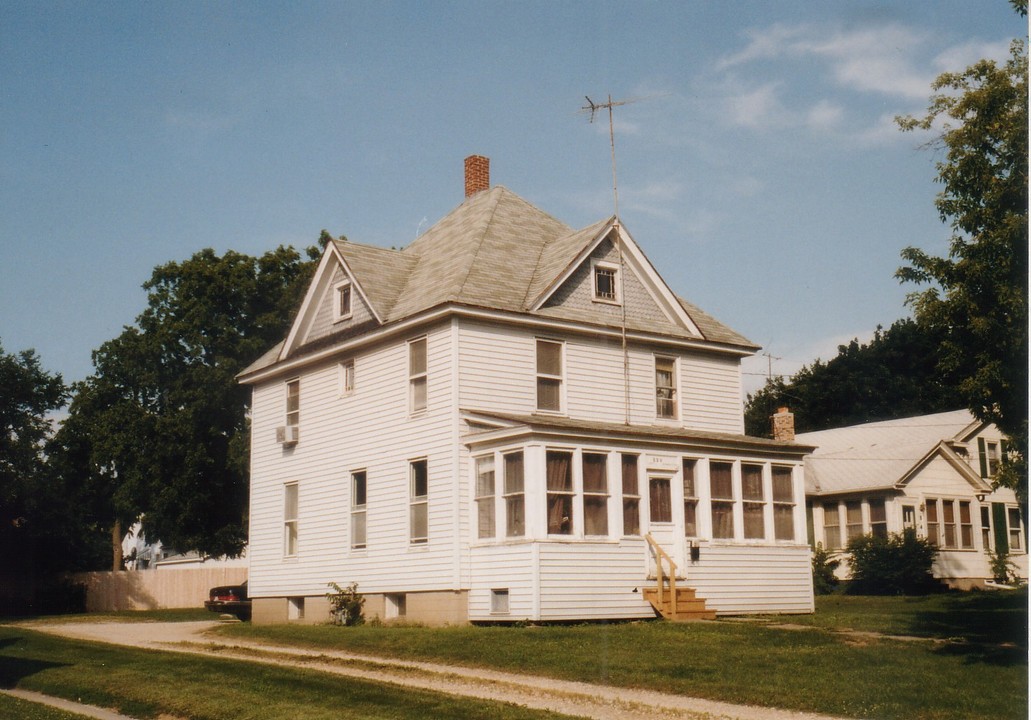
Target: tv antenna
593, 108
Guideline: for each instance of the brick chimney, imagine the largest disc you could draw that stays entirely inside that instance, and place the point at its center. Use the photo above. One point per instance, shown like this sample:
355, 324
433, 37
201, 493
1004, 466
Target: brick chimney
783, 425
477, 174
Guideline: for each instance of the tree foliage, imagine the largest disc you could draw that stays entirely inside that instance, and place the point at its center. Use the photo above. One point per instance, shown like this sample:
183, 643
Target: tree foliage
977, 296
160, 429
894, 375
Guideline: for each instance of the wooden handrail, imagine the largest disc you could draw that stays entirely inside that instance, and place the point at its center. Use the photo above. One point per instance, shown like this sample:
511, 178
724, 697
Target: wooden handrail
661, 554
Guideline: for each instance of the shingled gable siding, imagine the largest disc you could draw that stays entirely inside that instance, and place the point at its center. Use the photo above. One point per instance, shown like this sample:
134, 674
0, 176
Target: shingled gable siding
324, 324
578, 293
498, 374
340, 434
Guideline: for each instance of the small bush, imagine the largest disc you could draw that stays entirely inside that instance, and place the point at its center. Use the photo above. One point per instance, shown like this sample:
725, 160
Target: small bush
899, 564
1003, 569
824, 579
346, 605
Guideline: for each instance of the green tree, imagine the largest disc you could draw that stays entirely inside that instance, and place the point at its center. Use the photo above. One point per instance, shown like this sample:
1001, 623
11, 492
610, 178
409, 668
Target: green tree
160, 429
28, 394
894, 375
977, 295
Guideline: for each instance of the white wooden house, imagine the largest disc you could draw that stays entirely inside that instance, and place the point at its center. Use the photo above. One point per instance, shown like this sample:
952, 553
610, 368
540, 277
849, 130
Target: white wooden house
509, 420
932, 473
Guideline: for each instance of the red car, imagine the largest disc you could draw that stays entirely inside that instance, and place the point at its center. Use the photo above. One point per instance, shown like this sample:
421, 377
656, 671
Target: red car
230, 600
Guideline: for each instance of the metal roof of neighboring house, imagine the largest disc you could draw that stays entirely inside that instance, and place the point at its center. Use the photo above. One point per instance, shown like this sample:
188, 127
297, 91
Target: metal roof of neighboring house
878, 455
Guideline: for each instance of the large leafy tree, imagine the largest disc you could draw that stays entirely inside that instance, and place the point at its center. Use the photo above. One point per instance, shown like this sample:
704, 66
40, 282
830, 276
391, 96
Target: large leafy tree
976, 296
160, 430
894, 375
29, 507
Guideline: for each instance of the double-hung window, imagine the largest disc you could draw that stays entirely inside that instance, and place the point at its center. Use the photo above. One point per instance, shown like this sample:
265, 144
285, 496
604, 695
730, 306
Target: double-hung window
988, 455
419, 501
878, 519
358, 499
966, 525
347, 377
690, 498
290, 520
1016, 532
342, 304
515, 498
933, 523
949, 523
753, 500
596, 494
549, 375
631, 496
606, 282
417, 375
783, 503
986, 527
853, 519
721, 490
665, 387
560, 492
293, 403
485, 487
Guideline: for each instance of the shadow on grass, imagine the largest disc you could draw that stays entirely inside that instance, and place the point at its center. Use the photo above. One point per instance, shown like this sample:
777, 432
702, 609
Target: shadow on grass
991, 627
13, 669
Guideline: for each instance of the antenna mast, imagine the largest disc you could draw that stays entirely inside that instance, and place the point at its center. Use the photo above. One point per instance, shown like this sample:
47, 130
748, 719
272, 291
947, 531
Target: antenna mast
593, 108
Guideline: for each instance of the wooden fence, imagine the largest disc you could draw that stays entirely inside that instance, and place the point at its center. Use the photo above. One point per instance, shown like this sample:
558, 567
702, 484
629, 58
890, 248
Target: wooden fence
154, 589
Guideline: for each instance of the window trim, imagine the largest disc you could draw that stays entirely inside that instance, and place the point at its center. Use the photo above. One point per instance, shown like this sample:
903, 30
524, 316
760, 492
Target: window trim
761, 501
292, 414
568, 493
347, 377
617, 294
511, 498
339, 315
593, 495
632, 497
486, 501
291, 526
782, 503
692, 499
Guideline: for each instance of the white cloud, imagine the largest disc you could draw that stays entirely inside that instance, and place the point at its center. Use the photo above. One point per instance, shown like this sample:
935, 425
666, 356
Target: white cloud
758, 107
824, 115
959, 57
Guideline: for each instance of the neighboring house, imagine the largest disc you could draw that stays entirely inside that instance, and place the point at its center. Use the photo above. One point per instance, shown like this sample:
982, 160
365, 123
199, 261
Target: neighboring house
932, 473
457, 428
141, 554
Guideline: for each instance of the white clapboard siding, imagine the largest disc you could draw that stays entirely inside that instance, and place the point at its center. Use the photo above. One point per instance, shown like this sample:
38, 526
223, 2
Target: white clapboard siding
584, 580
495, 567
369, 430
498, 366
746, 579
711, 393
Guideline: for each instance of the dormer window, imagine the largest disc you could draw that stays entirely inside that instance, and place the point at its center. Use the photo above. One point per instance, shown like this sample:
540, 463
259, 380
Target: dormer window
342, 301
606, 282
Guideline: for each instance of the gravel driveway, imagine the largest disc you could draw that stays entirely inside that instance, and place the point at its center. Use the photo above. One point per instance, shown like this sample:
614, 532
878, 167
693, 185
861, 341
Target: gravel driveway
573, 698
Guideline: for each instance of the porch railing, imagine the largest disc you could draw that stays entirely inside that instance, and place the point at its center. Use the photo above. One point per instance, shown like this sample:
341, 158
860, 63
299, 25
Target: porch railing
666, 582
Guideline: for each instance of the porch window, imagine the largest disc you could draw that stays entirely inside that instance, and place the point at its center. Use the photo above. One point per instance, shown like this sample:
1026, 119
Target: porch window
660, 502
290, 520
417, 375
419, 501
933, 526
631, 496
949, 517
690, 499
783, 503
485, 525
878, 519
358, 516
753, 500
560, 492
721, 486
596, 494
515, 503
966, 526
665, 388
549, 375
831, 527
853, 519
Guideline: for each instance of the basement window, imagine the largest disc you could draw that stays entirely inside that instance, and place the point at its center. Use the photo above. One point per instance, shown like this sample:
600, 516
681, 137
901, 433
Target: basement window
499, 602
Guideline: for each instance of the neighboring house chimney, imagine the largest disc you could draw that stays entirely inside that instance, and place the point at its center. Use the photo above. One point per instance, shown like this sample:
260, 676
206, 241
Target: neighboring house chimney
477, 174
783, 425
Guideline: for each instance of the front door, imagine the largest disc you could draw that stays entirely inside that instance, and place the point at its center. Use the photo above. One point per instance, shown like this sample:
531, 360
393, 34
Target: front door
660, 518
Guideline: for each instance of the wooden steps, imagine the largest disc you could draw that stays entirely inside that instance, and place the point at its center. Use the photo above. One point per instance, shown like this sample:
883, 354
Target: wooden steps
688, 606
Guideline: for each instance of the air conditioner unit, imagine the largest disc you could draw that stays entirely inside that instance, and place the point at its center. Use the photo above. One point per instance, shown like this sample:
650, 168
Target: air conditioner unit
286, 434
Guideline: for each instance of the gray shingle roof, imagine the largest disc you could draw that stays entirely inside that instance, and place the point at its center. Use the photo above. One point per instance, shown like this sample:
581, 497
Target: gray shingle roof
878, 454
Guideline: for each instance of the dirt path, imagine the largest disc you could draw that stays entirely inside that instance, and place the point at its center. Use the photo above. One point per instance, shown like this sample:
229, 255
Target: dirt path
600, 702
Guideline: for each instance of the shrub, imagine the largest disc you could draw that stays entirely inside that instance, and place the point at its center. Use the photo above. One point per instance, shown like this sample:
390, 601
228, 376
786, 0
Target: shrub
1003, 569
899, 564
346, 605
824, 579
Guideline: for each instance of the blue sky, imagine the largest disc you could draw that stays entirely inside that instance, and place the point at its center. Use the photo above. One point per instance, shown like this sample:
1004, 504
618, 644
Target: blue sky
760, 171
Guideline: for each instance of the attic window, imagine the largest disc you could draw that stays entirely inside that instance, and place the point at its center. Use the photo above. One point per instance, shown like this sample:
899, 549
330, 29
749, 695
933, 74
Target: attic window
606, 282
342, 301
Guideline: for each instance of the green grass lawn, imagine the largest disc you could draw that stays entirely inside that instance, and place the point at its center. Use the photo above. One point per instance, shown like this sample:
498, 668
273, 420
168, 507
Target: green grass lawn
150, 684
16, 709
817, 668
